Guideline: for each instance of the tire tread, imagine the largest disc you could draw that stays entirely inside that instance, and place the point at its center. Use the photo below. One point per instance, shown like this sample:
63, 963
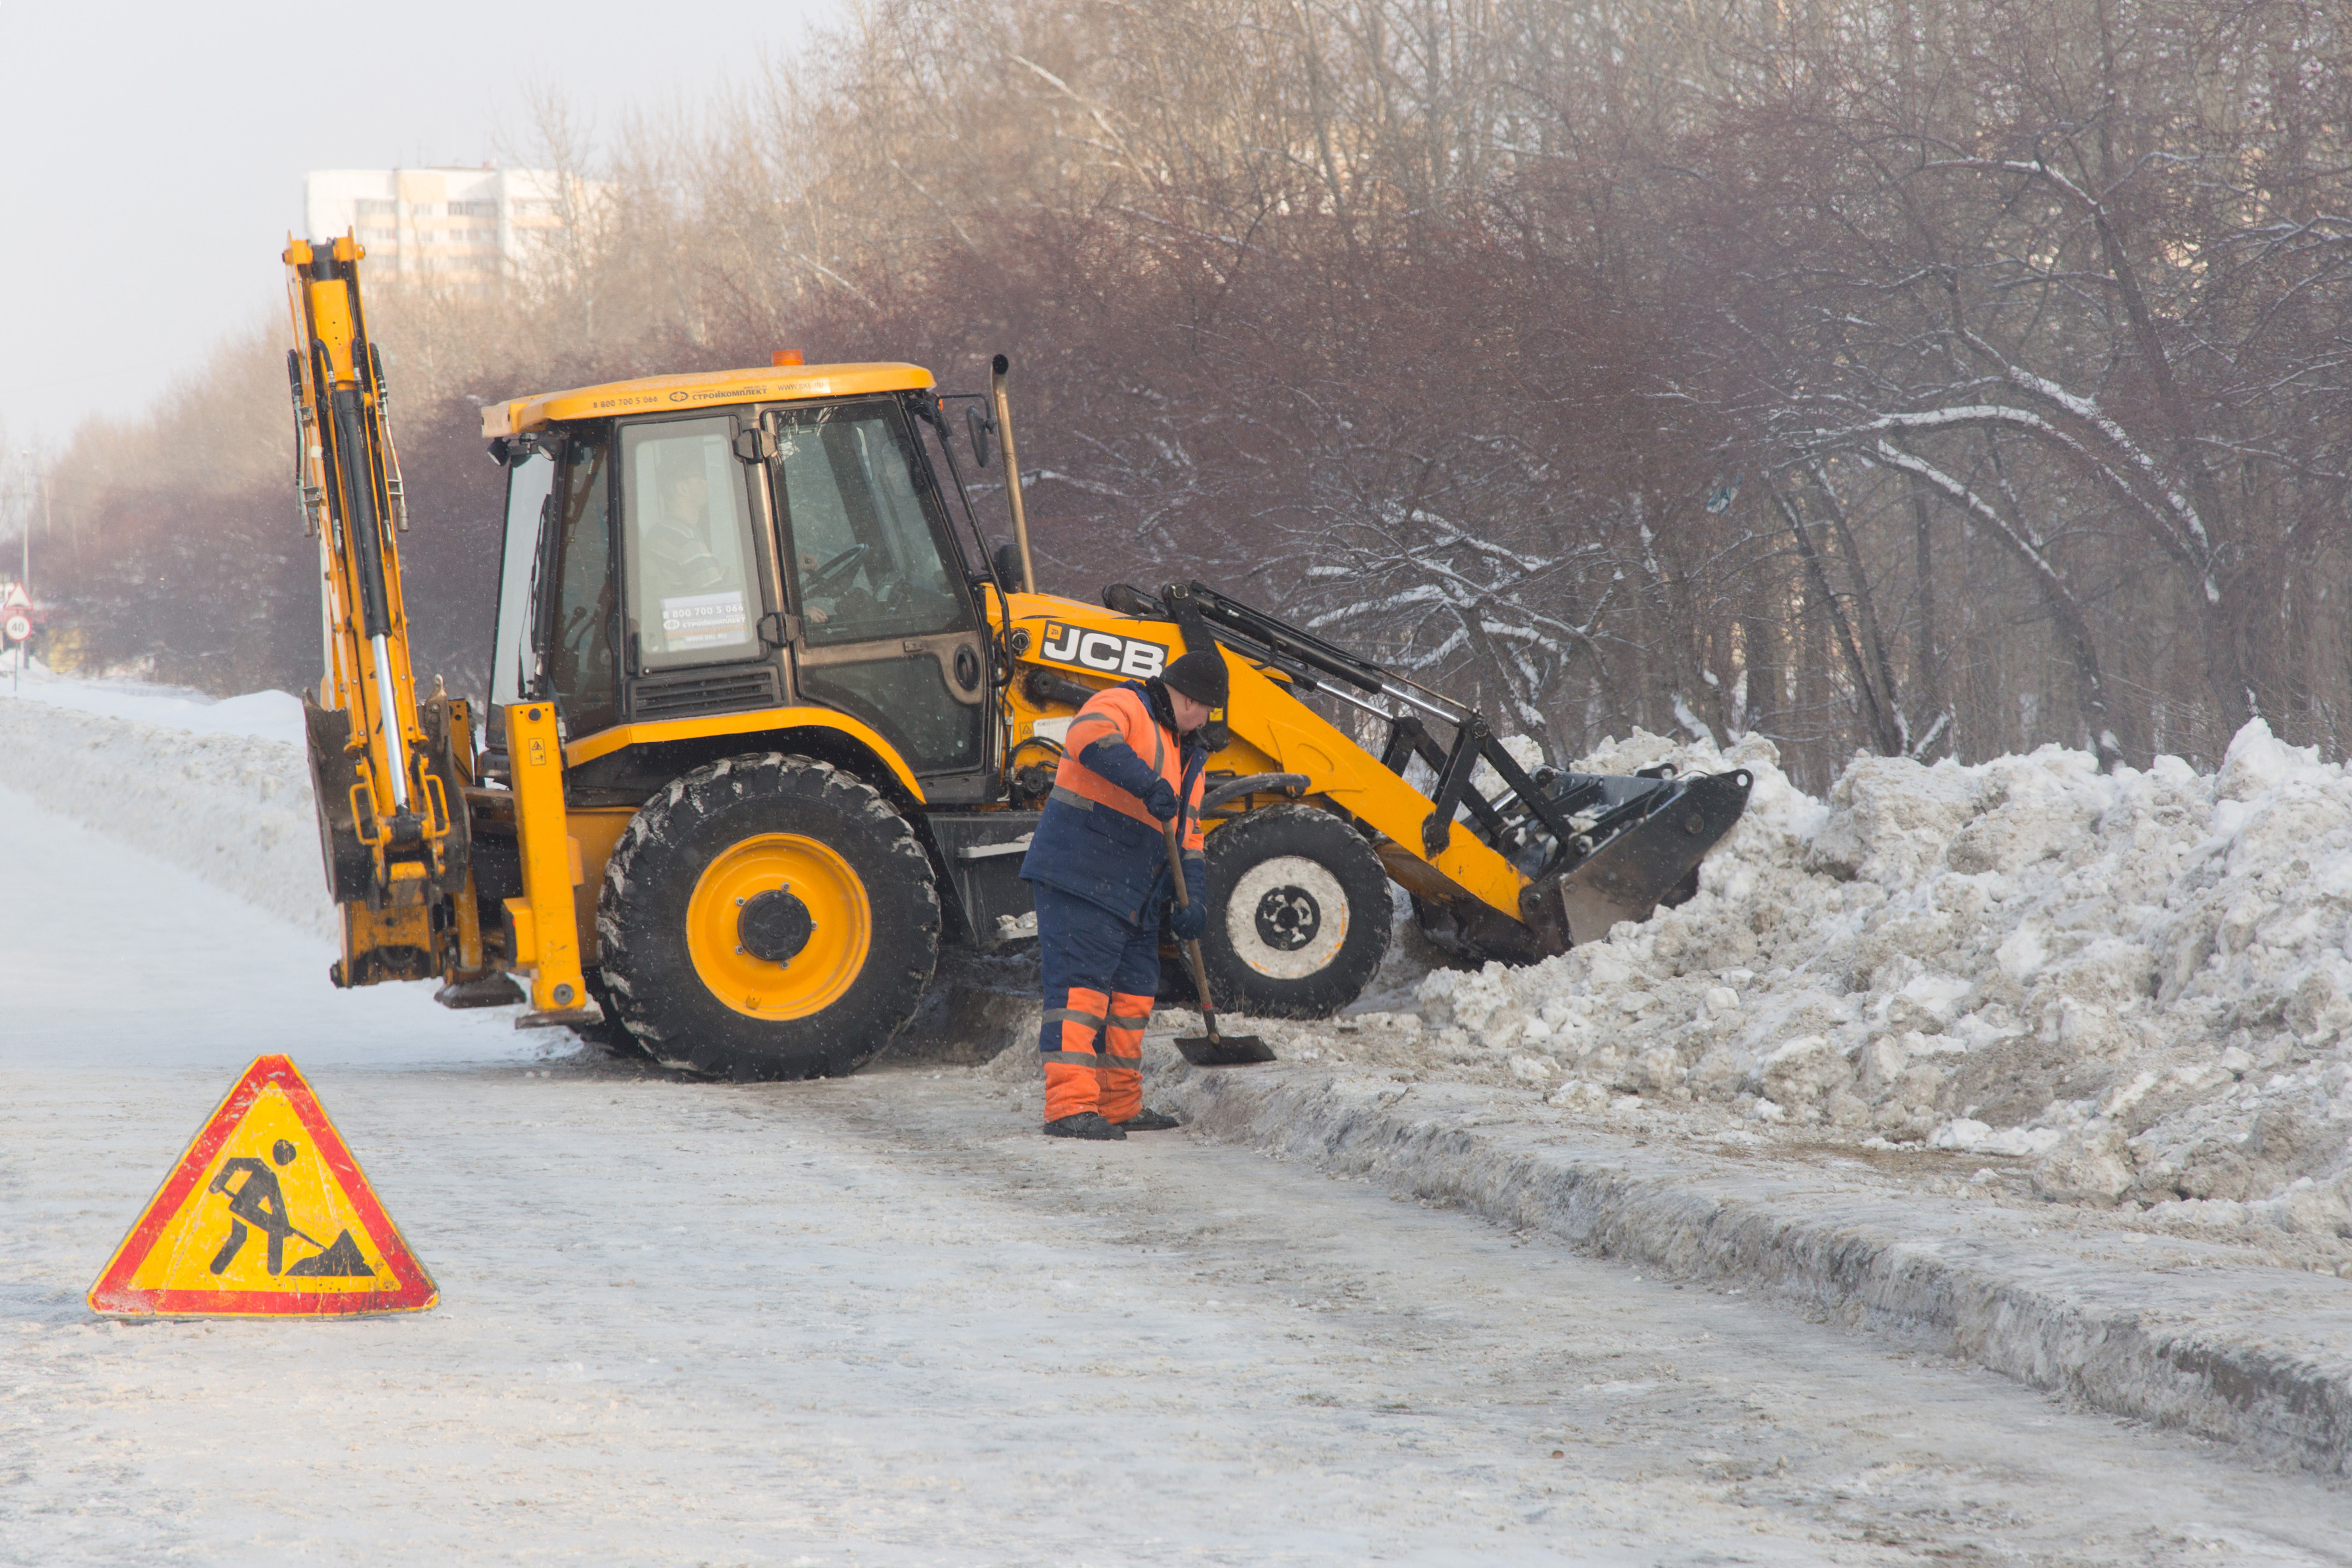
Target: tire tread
658, 1006
1320, 836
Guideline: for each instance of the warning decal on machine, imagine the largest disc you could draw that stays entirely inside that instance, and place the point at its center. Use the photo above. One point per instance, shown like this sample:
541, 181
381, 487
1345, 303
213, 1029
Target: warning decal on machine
266, 1215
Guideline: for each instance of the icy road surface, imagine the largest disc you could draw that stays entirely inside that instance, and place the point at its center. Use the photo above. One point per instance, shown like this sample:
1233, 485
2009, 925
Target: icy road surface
880, 1320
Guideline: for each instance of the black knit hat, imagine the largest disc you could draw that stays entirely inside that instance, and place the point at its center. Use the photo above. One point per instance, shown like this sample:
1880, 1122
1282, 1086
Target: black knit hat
1199, 675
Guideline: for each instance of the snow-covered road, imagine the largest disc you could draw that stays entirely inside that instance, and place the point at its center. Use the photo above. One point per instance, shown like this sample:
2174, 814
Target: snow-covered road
880, 1320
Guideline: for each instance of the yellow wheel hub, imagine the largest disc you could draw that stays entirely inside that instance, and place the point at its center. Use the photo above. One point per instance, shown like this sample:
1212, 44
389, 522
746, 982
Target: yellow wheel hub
793, 886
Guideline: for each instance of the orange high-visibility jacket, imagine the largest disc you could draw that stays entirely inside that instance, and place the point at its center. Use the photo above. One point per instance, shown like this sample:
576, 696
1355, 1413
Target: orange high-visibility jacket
1097, 838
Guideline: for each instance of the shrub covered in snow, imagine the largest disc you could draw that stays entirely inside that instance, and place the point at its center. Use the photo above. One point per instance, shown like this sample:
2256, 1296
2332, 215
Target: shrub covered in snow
2138, 979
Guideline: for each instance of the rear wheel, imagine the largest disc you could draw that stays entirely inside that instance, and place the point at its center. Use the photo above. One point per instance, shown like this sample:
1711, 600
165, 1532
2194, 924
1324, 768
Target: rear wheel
767, 917
608, 1033
1298, 913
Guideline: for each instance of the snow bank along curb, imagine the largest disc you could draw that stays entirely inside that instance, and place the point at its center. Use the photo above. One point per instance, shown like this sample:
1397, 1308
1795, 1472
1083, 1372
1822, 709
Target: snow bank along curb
2179, 1351
2139, 980
233, 809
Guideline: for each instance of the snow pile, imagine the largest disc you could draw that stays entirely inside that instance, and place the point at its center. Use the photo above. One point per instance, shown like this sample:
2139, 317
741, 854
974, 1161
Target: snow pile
2137, 981
219, 789
264, 715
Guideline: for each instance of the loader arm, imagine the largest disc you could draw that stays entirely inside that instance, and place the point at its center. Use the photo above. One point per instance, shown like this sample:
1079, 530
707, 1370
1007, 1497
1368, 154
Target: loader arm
1525, 866
1579, 852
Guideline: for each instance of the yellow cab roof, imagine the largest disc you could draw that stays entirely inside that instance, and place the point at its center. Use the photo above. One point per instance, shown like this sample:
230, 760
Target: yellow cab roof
768, 383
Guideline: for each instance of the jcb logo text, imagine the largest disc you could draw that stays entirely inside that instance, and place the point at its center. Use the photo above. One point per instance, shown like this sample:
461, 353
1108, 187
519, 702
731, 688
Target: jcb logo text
1101, 650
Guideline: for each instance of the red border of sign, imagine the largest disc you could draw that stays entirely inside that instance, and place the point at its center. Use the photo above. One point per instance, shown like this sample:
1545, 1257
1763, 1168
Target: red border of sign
414, 1289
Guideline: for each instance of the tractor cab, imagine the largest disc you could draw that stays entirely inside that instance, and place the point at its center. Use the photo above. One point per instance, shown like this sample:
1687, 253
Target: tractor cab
683, 551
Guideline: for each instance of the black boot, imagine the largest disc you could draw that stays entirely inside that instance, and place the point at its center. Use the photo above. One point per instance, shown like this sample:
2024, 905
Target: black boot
1150, 1120
1085, 1124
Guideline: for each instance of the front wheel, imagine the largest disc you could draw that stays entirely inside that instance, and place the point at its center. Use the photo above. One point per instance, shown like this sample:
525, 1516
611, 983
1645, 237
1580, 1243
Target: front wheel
767, 917
1298, 913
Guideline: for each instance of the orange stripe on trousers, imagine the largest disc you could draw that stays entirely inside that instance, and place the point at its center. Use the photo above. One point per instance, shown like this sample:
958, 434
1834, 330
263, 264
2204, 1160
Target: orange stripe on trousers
1122, 1086
1072, 1087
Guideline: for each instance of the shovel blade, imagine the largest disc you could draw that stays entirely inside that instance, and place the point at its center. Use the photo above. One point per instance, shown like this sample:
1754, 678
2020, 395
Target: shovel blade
1223, 1050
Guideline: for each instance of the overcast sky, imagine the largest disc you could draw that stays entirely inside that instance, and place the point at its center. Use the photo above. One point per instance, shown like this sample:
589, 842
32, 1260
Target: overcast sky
152, 155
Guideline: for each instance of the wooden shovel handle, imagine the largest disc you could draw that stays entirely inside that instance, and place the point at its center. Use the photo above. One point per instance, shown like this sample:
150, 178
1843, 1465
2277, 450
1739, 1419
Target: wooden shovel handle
1191, 946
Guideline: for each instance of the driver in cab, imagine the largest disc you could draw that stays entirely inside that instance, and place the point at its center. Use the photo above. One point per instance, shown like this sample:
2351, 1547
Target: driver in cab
1097, 870
811, 575
693, 579
676, 541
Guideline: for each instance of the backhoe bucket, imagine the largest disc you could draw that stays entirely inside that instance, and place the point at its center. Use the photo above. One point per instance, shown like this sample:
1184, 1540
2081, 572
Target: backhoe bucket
1629, 875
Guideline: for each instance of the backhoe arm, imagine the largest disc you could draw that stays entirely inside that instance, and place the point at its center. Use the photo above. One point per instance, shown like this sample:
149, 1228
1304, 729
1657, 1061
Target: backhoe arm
386, 770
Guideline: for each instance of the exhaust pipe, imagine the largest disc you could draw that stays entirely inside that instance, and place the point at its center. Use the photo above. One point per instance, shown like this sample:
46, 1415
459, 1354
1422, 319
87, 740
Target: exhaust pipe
1011, 470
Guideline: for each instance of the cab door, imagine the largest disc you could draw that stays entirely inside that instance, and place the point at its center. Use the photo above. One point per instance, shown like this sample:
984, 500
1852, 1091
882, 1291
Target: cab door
697, 578
581, 621
515, 661
557, 617
888, 631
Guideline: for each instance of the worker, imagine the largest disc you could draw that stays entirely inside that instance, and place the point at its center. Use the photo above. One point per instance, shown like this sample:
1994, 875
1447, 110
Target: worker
1097, 870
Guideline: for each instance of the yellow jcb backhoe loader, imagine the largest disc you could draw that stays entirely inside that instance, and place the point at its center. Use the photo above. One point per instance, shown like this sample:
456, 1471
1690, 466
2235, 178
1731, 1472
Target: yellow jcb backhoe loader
770, 722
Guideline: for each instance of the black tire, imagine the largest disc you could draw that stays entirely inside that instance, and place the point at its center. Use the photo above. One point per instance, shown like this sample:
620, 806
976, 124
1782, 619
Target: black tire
668, 916
1298, 913
609, 1034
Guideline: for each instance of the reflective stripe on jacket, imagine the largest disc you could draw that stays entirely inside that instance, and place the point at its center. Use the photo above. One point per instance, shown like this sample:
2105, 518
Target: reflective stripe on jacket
1097, 838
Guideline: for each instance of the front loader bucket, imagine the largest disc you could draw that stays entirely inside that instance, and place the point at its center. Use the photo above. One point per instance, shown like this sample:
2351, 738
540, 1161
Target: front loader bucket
1627, 878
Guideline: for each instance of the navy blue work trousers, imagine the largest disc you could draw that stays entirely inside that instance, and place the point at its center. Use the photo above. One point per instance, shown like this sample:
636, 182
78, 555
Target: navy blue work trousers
1100, 973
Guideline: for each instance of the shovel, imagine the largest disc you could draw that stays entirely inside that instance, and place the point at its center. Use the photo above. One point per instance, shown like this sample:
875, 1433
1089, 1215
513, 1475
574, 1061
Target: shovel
1213, 1050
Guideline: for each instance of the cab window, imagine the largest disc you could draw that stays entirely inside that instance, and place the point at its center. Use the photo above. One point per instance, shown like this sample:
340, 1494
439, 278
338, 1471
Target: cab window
867, 555
688, 544
514, 662
583, 667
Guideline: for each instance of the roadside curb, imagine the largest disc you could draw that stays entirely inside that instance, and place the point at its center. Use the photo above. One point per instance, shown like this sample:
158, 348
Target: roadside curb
2257, 1358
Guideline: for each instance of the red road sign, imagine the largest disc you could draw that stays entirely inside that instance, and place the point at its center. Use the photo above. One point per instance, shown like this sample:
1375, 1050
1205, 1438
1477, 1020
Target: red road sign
18, 628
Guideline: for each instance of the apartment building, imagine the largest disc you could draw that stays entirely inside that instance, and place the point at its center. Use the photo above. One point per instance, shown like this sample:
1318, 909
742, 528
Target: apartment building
464, 229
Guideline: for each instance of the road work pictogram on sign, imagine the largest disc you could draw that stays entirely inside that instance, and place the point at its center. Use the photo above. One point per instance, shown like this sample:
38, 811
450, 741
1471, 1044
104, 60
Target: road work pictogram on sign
267, 1215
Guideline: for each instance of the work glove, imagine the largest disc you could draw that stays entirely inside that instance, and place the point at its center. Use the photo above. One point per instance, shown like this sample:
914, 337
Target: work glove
1186, 922
1161, 802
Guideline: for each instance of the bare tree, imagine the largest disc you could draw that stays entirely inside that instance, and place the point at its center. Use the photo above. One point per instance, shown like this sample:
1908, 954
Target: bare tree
1936, 376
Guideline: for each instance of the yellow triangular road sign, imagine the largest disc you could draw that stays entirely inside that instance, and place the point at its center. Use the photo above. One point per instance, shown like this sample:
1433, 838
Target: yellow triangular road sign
267, 1215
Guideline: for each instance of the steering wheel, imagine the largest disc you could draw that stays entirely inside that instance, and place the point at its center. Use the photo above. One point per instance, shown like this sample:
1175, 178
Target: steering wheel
815, 582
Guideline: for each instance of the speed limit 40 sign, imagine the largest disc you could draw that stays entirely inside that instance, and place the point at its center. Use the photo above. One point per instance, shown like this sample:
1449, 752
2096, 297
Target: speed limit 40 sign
18, 626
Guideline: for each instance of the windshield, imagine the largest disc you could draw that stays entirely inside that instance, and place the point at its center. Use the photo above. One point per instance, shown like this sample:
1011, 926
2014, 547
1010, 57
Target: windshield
514, 669
868, 557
